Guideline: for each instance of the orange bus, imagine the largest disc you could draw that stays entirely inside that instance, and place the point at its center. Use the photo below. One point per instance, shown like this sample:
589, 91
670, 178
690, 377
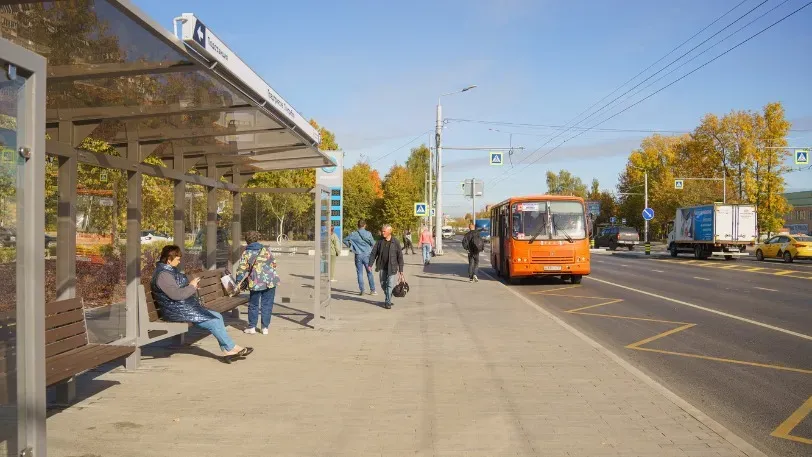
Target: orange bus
543, 235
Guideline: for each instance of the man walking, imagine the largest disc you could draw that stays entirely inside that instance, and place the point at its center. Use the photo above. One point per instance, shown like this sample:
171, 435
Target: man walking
388, 259
407, 241
474, 244
360, 242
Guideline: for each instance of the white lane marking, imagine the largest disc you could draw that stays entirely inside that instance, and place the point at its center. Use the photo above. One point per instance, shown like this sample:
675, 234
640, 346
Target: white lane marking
623, 265
710, 310
658, 271
703, 279
765, 288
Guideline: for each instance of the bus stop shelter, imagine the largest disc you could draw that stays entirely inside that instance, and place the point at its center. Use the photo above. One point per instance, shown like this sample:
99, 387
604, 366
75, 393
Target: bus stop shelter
98, 83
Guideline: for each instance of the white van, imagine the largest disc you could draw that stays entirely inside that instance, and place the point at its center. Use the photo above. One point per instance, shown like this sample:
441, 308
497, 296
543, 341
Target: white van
448, 231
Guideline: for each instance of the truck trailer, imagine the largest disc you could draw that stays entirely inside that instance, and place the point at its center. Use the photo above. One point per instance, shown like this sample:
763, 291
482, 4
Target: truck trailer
713, 230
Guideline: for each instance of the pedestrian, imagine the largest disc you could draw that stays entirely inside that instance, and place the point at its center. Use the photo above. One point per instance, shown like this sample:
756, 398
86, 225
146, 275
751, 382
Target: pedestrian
426, 244
178, 301
474, 244
335, 251
257, 268
407, 241
388, 259
360, 243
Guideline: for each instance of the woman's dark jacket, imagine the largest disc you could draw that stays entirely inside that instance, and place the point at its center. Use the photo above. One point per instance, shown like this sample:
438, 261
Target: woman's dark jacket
188, 310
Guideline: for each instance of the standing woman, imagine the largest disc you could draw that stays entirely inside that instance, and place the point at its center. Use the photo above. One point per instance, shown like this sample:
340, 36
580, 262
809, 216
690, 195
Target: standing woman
257, 267
426, 243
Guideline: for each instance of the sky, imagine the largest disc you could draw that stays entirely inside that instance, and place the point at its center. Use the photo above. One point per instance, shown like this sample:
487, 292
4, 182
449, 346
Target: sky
372, 72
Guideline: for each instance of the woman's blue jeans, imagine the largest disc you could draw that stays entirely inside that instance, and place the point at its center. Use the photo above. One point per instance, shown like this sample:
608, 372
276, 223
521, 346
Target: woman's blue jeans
426, 253
217, 327
264, 298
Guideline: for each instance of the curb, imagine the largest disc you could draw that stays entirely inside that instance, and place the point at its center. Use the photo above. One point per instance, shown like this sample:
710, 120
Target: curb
735, 440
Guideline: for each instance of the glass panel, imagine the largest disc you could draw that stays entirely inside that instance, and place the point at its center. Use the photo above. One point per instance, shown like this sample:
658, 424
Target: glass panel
11, 92
195, 226
224, 217
157, 224
324, 245
567, 220
529, 220
101, 224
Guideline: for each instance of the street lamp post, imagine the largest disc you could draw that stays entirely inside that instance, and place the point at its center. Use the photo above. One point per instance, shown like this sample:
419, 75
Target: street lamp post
645, 205
438, 205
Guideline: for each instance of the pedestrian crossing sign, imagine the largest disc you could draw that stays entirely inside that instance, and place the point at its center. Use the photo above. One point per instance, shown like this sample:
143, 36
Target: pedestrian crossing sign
802, 157
420, 209
496, 158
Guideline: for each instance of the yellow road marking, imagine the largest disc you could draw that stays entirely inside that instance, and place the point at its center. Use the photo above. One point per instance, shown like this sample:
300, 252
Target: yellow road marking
784, 272
617, 300
733, 361
743, 268
785, 429
553, 290
658, 336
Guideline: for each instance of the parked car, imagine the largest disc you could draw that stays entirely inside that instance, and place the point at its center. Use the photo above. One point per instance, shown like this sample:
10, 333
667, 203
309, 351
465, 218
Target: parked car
617, 236
149, 236
786, 247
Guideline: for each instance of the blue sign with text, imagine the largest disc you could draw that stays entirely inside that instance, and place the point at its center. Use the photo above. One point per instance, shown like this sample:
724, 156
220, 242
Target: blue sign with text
703, 223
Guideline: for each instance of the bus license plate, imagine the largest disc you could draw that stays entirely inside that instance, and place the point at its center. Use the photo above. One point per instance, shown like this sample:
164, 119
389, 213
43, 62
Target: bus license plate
552, 268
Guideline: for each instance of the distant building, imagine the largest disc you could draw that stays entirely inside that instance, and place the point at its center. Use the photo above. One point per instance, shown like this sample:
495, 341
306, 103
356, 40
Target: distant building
799, 219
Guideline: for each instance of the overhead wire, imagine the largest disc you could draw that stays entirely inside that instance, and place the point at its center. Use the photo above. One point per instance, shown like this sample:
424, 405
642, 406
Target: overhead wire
640, 73
401, 147
671, 83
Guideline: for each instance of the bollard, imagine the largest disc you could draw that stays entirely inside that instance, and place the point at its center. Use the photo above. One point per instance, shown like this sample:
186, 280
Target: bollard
648, 248
592, 243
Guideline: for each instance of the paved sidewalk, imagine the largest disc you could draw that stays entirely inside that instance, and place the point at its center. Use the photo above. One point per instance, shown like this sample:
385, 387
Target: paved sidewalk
454, 369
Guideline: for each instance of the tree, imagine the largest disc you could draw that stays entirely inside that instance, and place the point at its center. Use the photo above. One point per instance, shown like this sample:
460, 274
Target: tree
418, 166
328, 138
398, 199
362, 194
595, 190
565, 183
282, 205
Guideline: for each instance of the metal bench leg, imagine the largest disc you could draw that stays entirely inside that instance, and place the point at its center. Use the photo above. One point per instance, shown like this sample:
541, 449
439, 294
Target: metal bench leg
132, 362
235, 313
66, 391
179, 340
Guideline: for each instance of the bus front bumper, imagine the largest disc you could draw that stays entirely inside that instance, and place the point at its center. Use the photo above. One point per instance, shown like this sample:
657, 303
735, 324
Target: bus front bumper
534, 269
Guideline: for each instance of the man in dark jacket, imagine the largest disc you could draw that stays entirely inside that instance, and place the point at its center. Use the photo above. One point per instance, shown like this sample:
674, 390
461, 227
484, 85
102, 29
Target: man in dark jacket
474, 244
388, 260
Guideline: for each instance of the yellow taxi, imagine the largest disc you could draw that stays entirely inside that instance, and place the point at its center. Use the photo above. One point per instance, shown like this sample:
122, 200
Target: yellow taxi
787, 247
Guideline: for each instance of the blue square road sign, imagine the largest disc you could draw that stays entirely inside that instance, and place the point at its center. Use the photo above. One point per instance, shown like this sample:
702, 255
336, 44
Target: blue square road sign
802, 157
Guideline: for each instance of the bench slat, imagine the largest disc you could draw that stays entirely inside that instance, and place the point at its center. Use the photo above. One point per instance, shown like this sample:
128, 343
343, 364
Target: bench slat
58, 320
66, 331
61, 306
67, 344
83, 359
214, 288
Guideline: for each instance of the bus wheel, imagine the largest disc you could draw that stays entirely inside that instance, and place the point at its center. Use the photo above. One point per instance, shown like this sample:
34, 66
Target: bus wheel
576, 279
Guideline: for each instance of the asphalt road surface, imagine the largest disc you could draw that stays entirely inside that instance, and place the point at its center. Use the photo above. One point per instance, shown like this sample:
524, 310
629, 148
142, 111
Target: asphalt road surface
733, 338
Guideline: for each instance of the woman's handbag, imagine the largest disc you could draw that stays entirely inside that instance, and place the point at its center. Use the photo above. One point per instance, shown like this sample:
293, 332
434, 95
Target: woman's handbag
244, 283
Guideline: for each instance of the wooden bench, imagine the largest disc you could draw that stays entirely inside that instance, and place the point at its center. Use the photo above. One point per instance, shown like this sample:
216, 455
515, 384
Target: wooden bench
68, 351
212, 295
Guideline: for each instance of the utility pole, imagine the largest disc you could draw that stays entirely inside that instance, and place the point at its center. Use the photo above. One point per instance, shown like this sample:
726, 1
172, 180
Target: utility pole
473, 201
438, 144
645, 192
426, 193
431, 188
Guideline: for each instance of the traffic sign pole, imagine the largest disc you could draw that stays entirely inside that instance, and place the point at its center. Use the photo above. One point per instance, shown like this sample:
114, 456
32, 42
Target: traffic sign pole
645, 192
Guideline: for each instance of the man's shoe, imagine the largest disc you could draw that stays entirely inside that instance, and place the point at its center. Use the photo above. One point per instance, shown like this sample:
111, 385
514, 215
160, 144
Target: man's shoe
361, 293
470, 279
373, 293
387, 305
476, 279
251, 331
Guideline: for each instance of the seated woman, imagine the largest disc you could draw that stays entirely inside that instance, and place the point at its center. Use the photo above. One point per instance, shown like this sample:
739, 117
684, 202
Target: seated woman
177, 301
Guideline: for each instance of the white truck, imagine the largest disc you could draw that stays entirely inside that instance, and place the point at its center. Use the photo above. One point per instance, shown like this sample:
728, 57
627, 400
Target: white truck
713, 230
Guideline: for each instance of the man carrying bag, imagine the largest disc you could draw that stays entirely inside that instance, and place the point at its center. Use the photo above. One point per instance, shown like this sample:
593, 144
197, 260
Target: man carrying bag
474, 244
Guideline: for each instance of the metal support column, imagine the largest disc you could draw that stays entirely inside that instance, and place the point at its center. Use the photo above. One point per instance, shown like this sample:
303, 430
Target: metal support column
178, 229
66, 218
648, 245
236, 220
317, 257
133, 258
211, 222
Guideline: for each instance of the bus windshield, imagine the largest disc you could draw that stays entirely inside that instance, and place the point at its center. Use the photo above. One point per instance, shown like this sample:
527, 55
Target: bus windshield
529, 220
567, 221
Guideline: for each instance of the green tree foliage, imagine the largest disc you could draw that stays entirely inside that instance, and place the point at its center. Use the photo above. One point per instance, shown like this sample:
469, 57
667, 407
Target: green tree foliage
398, 199
363, 192
742, 145
565, 183
418, 166
328, 138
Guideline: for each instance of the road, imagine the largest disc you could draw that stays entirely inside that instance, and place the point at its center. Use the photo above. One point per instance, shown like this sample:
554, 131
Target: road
732, 338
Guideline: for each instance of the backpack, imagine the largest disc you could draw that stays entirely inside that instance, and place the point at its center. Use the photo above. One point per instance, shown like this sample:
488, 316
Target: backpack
477, 243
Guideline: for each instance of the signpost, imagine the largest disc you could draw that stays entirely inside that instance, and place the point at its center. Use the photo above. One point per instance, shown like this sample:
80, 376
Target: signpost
623, 221
593, 208
420, 209
496, 158
802, 157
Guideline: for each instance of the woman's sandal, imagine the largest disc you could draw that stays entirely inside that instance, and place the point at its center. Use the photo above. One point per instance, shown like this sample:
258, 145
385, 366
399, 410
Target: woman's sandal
244, 352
